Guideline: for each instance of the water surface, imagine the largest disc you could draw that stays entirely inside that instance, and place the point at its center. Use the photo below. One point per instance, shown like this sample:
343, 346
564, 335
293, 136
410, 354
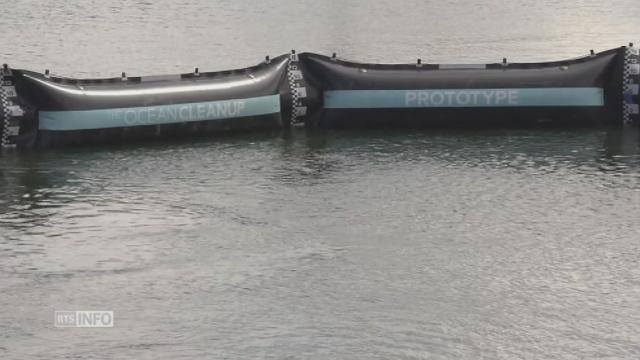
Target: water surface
352, 245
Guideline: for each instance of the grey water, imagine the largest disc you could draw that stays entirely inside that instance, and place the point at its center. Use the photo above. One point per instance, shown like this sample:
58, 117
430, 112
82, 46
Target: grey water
519, 244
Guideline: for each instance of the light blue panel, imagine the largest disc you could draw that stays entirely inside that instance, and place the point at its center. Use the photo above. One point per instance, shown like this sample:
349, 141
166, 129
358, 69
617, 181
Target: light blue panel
156, 115
457, 98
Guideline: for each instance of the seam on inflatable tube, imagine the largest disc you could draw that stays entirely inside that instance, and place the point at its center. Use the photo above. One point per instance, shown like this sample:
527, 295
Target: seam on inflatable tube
630, 74
625, 86
10, 113
297, 88
292, 87
4, 108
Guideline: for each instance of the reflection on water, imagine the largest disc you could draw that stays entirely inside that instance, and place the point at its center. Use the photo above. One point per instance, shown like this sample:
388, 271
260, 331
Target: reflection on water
371, 244
36, 186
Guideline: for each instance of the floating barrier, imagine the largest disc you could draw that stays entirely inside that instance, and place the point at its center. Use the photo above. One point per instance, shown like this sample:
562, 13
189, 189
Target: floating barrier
42, 110
595, 89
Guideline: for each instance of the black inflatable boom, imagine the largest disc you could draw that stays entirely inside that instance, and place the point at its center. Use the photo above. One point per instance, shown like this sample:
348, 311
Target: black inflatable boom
40, 110
43, 111
596, 89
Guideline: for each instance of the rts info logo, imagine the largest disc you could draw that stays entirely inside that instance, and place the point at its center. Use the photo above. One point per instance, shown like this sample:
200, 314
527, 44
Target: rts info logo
83, 319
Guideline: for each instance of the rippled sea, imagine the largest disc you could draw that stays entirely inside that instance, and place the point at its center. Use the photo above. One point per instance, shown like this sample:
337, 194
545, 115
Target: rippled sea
326, 245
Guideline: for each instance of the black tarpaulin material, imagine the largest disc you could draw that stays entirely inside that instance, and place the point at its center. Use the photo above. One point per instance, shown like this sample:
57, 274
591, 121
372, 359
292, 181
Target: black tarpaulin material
582, 91
65, 111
